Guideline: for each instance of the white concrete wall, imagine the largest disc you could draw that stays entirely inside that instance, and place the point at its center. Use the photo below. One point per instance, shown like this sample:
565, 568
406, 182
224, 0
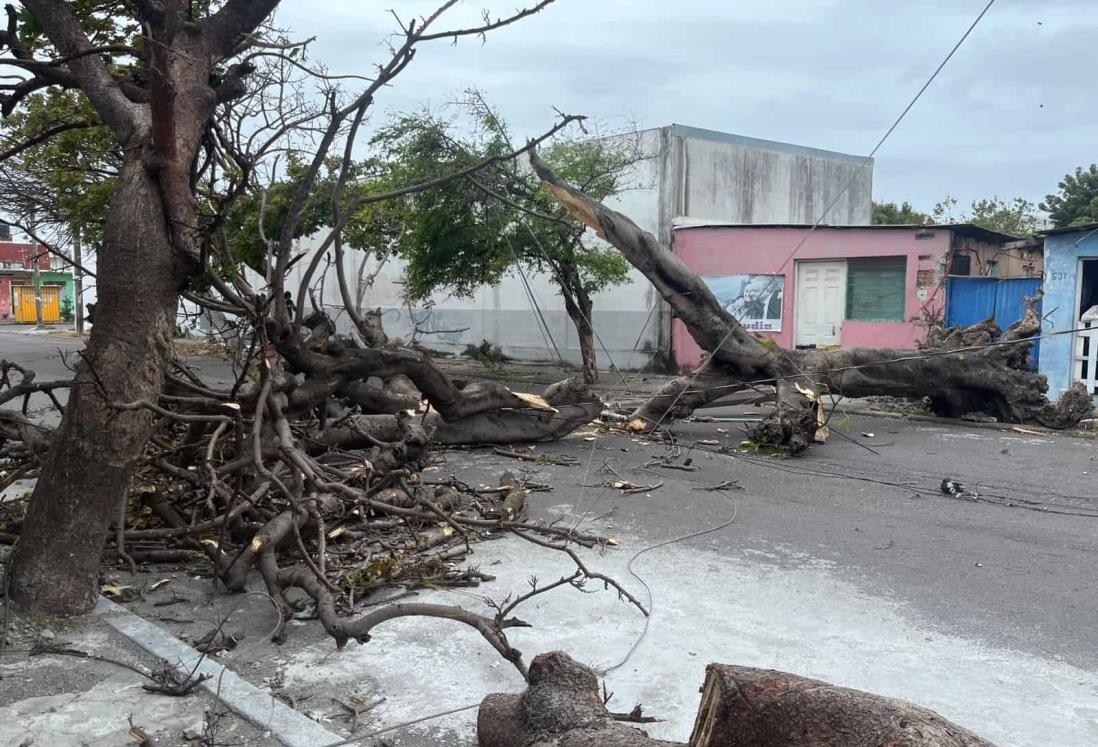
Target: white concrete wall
688, 172
745, 180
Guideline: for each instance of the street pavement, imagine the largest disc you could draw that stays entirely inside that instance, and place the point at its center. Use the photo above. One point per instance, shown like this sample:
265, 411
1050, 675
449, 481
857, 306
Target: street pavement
848, 564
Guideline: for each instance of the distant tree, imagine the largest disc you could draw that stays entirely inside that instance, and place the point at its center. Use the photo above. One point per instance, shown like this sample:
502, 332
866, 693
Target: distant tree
1077, 201
65, 182
1016, 217
891, 213
471, 233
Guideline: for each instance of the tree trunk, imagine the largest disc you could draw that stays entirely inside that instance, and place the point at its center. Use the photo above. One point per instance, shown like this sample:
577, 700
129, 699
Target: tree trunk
740, 706
746, 707
55, 565
982, 378
578, 305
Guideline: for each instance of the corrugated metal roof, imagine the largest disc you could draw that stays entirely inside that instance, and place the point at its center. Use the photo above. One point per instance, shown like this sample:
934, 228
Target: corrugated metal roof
964, 229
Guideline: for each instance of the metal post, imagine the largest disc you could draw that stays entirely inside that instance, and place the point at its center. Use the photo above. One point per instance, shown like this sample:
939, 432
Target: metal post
78, 280
35, 260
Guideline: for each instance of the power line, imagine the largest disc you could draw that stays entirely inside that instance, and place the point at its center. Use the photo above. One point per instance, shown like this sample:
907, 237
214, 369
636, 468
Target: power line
846, 187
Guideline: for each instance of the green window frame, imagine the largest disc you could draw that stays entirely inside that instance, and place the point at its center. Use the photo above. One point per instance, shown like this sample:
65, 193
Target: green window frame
876, 289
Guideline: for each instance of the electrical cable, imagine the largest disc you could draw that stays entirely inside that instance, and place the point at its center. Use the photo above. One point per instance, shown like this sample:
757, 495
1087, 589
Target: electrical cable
648, 589
845, 189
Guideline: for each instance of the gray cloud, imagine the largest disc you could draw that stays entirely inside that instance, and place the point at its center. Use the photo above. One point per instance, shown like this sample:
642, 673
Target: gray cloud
1014, 110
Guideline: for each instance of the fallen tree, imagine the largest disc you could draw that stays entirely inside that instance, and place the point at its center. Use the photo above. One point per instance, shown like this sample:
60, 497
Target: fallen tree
968, 370
308, 467
740, 707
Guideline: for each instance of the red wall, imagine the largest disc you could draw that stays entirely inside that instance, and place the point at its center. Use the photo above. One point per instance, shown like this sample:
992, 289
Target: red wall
11, 251
5, 298
739, 250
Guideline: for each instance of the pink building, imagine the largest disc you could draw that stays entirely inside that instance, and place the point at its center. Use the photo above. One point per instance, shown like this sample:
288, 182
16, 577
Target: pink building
16, 262
848, 286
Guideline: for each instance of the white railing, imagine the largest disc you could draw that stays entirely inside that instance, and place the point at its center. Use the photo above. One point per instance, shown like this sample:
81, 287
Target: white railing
1085, 358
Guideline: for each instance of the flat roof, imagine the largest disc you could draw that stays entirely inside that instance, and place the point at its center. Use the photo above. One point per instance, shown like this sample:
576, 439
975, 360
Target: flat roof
701, 133
964, 229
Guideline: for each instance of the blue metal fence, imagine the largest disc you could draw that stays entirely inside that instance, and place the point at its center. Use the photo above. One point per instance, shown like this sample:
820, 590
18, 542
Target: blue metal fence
972, 299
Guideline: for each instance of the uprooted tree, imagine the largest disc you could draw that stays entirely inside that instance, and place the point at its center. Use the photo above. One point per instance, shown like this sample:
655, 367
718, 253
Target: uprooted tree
976, 369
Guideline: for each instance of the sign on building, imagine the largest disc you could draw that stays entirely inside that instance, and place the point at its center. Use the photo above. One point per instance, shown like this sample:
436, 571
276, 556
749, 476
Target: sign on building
754, 300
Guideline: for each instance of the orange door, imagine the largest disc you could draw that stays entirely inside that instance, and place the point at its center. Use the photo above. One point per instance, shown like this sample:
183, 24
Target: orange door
26, 310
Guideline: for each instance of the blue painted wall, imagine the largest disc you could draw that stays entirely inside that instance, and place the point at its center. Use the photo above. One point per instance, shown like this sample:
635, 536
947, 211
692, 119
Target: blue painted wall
970, 300
1062, 254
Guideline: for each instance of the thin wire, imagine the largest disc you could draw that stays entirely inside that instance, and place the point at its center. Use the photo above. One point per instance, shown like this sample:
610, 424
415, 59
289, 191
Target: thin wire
564, 289
648, 589
846, 187
394, 727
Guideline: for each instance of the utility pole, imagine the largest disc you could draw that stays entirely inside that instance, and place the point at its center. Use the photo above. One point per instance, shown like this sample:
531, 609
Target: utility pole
78, 280
35, 262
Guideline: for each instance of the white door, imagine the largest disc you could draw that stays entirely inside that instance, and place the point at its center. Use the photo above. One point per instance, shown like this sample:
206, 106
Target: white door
820, 302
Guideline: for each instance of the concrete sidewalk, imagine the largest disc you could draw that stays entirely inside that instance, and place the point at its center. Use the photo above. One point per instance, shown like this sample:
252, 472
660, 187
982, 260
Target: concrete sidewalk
55, 699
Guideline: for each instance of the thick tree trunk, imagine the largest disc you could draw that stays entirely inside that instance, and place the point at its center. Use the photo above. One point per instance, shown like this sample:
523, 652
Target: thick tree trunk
740, 706
986, 378
578, 305
746, 707
56, 561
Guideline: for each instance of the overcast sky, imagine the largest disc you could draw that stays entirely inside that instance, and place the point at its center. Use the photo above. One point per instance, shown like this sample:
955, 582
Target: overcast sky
1013, 111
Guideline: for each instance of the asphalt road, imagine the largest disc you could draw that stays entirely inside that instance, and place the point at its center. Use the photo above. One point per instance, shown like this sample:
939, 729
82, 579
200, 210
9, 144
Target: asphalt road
848, 563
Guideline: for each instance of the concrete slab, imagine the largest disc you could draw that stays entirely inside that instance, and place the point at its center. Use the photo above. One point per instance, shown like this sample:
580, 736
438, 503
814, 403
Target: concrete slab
258, 706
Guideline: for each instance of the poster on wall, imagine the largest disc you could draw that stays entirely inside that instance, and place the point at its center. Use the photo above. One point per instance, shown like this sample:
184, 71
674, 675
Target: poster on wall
754, 300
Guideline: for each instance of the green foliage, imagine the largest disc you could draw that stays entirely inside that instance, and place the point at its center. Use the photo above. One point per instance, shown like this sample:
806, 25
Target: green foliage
1077, 201
488, 355
471, 232
891, 213
1016, 217
68, 179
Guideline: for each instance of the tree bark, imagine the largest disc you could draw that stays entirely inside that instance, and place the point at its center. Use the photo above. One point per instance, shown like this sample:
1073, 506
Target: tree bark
746, 707
150, 253
741, 707
561, 707
957, 380
578, 305
55, 565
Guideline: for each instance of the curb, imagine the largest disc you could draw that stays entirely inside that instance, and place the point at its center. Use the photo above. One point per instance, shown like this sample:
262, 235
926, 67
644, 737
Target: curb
258, 706
1005, 427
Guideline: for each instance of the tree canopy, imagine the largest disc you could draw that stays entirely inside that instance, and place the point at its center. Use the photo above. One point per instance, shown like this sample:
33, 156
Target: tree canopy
471, 232
1077, 201
891, 213
1016, 217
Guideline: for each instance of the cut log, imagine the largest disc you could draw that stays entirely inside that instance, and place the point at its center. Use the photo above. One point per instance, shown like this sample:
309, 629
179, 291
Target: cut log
741, 707
746, 707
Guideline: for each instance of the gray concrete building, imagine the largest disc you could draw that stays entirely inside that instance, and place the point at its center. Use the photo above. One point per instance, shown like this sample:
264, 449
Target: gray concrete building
687, 173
